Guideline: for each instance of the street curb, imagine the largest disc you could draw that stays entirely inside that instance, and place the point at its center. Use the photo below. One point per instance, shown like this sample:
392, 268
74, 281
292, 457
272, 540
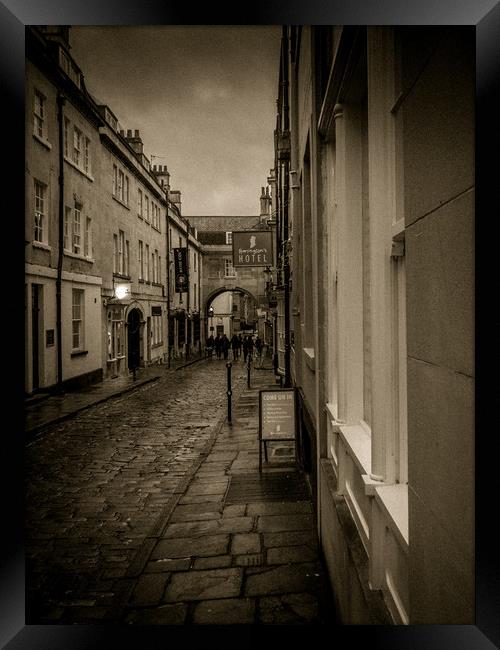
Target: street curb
191, 363
61, 418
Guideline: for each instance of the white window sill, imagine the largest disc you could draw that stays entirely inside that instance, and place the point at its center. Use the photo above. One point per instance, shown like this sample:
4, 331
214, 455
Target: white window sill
310, 358
332, 413
358, 443
393, 501
77, 256
43, 141
39, 244
120, 202
79, 169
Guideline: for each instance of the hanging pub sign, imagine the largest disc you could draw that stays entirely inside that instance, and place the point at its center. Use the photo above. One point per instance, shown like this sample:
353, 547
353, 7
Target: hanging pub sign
277, 417
253, 248
181, 270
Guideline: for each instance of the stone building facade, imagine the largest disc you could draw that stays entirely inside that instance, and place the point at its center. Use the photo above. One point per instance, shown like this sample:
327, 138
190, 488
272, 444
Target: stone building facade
375, 187
98, 248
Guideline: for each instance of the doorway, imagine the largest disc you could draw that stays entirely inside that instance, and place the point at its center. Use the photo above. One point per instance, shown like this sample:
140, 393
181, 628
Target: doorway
36, 329
134, 339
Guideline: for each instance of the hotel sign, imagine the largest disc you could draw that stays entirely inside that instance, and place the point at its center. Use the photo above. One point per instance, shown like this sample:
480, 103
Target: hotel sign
253, 248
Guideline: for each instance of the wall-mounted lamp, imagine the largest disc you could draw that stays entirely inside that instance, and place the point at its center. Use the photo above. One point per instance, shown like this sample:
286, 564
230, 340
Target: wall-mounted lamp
121, 293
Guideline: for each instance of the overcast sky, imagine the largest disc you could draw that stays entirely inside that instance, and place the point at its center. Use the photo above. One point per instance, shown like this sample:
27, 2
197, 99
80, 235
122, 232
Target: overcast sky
202, 97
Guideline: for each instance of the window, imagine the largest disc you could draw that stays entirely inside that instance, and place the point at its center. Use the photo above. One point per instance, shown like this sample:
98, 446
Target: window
39, 115
67, 217
116, 338
77, 236
121, 247
77, 317
141, 260
400, 370
77, 146
195, 258
115, 253
147, 262
229, 271
39, 232
119, 189
126, 269
139, 203
229, 237
87, 240
146, 216
156, 329
66, 137
77, 151
194, 296
86, 156
120, 185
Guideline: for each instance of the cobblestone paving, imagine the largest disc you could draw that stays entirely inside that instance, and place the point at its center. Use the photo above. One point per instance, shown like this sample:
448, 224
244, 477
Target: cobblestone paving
97, 484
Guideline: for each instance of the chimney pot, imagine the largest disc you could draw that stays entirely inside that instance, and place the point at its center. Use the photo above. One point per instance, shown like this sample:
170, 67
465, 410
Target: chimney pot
129, 133
122, 132
136, 133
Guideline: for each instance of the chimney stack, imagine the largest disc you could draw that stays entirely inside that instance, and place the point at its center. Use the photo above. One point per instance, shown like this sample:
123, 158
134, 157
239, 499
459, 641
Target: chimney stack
162, 176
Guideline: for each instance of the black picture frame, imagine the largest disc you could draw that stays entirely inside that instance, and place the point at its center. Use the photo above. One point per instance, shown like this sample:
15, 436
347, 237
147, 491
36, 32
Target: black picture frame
14, 16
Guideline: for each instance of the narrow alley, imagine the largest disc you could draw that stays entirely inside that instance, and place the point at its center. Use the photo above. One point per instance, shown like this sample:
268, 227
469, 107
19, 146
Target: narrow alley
133, 516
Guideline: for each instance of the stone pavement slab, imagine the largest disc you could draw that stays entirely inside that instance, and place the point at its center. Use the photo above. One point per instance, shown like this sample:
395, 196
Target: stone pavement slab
255, 561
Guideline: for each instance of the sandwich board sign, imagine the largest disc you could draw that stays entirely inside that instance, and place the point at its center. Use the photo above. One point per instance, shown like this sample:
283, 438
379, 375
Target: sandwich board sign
277, 417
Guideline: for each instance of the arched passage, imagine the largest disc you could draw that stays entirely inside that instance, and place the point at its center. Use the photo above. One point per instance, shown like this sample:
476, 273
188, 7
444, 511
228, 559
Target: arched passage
242, 316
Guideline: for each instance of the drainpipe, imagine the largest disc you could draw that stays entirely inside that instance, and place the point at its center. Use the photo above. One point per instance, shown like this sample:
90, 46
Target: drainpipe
286, 170
188, 292
168, 286
60, 103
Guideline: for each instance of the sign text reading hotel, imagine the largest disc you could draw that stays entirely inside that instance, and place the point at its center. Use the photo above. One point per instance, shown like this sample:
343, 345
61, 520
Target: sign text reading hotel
257, 255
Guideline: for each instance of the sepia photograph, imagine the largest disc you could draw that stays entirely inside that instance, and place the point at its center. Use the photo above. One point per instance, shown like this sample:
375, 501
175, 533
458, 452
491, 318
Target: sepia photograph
250, 326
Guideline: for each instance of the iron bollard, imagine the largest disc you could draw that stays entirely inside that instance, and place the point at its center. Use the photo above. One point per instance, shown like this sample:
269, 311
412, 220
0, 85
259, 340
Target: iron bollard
229, 391
249, 361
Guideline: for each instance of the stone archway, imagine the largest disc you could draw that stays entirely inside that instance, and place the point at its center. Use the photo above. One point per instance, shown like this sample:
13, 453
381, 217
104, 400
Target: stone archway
218, 292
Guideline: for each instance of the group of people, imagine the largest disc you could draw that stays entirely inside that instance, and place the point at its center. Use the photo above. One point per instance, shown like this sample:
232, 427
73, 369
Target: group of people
238, 343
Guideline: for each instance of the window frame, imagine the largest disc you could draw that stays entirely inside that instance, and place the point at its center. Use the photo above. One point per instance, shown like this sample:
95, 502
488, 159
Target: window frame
40, 234
39, 123
79, 320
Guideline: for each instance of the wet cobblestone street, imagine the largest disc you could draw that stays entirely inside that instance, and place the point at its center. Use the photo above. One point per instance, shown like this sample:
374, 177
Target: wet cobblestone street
96, 485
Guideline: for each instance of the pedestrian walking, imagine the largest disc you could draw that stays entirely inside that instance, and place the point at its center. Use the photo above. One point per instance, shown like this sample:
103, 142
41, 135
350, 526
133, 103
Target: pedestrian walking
217, 347
234, 346
240, 344
224, 343
245, 349
258, 349
249, 346
209, 347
